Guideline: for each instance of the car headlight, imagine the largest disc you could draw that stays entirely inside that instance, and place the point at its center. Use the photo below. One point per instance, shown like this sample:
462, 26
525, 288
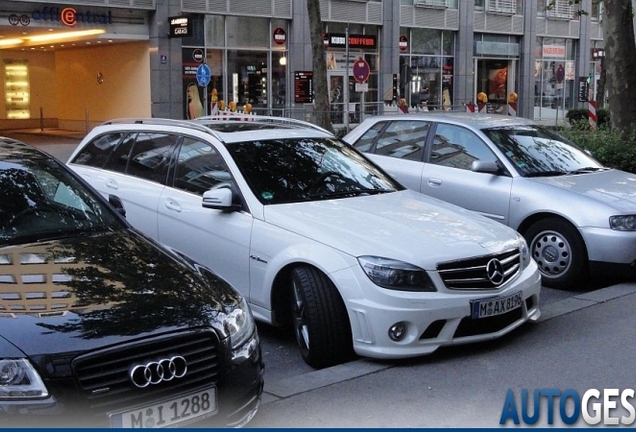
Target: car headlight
623, 222
239, 324
524, 250
19, 380
396, 275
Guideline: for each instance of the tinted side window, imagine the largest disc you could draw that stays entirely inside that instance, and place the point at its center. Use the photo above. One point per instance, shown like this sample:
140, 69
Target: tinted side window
150, 155
118, 159
365, 142
457, 147
200, 168
96, 152
404, 139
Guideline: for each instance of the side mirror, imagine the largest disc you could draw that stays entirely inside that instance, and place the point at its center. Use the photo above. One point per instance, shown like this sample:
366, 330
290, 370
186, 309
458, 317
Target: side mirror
218, 199
485, 166
116, 202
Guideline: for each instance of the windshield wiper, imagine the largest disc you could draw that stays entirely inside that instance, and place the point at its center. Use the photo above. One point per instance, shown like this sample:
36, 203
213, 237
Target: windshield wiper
586, 170
349, 193
546, 174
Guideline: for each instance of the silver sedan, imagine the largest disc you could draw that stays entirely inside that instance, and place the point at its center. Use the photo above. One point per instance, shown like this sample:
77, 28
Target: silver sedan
577, 216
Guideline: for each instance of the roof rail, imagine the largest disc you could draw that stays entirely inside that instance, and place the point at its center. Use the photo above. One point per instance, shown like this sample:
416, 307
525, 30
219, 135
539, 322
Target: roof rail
164, 122
261, 119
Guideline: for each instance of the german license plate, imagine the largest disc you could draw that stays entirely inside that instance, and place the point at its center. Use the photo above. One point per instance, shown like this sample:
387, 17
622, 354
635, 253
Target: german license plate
495, 306
178, 411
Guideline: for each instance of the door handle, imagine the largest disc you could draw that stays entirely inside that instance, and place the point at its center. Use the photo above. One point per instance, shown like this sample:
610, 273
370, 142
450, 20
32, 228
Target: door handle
172, 205
432, 181
110, 183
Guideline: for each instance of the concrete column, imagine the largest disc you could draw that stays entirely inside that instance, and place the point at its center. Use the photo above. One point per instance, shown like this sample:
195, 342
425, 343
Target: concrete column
527, 57
464, 73
165, 78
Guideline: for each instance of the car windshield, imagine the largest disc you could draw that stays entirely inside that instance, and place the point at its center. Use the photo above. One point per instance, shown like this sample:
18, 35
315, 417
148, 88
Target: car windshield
39, 200
536, 151
306, 169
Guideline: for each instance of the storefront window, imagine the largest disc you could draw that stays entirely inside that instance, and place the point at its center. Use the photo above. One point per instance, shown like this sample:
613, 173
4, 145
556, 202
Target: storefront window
555, 76
426, 77
247, 58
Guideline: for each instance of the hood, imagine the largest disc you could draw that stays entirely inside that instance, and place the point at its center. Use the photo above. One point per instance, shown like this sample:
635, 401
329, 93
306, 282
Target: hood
73, 295
612, 187
404, 225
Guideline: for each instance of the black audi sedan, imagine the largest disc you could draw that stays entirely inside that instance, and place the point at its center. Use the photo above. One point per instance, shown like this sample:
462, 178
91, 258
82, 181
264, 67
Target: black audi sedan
102, 327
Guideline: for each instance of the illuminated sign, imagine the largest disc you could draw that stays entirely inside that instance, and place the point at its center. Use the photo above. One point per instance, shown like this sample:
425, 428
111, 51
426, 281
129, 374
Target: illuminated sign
334, 40
180, 26
69, 16
280, 37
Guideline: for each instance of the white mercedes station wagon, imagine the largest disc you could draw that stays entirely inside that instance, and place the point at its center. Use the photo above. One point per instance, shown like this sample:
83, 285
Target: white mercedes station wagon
315, 235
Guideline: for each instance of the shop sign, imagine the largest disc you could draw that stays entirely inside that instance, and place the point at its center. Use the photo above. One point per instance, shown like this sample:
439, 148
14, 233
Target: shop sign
280, 37
69, 16
583, 89
339, 40
180, 26
598, 53
303, 87
404, 43
553, 51
198, 55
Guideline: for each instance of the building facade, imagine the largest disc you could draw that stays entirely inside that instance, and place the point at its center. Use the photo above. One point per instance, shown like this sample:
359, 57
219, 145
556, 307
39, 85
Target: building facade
434, 54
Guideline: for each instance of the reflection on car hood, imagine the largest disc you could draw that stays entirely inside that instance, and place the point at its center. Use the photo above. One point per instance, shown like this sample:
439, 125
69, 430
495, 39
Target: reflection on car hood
73, 295
401, 225
613, 187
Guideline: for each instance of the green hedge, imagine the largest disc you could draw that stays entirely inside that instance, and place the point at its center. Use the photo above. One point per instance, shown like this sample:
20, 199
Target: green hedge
579, 117
606, 146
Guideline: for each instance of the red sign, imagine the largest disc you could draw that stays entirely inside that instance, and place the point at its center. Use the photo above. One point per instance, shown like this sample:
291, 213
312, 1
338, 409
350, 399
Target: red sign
280, 37
404, 43
361, 70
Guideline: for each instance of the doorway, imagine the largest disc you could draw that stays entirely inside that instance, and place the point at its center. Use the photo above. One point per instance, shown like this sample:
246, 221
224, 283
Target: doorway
341, 94
496, 78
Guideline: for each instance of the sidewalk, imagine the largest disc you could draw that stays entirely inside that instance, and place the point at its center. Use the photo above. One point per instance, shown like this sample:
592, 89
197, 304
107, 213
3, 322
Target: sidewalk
581, 342
46, 132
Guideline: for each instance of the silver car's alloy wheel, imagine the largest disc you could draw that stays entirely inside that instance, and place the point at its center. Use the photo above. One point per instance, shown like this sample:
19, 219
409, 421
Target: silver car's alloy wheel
552, 252
559, 251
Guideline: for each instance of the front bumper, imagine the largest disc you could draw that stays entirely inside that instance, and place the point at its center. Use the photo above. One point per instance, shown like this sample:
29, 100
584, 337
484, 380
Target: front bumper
239, 391
431, 319
605, 245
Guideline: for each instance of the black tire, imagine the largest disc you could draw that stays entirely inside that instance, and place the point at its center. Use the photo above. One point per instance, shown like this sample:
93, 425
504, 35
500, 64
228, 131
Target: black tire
560, 253
320, 320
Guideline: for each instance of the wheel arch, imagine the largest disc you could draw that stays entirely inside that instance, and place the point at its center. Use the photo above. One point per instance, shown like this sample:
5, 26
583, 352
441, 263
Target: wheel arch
536, 217
281, 291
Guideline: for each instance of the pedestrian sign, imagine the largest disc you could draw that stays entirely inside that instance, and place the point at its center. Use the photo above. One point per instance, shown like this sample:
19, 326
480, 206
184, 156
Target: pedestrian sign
204, 74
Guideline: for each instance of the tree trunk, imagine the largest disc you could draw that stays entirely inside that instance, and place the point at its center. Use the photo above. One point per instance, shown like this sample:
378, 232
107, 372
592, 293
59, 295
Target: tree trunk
620, 63
321, 94
600, 89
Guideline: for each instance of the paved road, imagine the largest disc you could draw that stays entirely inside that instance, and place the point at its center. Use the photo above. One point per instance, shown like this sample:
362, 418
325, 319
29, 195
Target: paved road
355, 394
581, 342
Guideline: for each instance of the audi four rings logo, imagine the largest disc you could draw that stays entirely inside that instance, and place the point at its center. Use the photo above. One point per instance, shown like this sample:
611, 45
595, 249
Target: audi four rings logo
495, 271
159, 371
